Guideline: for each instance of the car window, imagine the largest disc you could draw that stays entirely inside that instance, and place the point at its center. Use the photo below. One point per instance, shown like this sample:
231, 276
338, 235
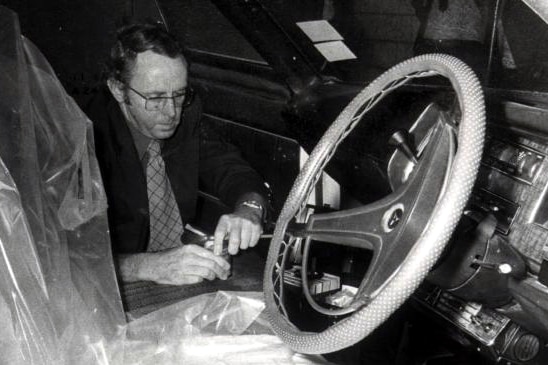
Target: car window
505, 42
203, 28
384, 33
522, 44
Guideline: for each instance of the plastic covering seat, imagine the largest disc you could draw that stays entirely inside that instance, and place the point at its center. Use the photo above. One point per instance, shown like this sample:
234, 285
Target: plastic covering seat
59, 298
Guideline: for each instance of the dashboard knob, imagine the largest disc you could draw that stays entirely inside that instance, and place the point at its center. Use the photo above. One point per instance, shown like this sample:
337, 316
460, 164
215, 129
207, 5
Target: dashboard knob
526, 347
400, 140
504, 268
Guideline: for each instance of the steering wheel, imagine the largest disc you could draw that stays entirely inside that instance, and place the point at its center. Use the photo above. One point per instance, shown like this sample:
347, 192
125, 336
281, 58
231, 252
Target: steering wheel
406, 230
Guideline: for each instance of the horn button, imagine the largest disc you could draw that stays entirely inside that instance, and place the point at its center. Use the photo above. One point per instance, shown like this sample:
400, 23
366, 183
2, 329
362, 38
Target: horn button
392, 217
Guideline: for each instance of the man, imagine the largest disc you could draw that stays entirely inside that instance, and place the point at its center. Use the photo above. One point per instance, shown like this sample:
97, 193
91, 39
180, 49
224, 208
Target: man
149, 108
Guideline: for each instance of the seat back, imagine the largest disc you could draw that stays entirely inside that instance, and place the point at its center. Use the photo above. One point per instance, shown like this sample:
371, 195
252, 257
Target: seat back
59, 299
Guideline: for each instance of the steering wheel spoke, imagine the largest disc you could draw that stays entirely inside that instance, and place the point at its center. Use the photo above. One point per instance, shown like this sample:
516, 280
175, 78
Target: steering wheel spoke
390, 226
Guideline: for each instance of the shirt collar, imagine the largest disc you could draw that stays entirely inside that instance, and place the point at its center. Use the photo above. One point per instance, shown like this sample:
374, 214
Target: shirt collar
140, 140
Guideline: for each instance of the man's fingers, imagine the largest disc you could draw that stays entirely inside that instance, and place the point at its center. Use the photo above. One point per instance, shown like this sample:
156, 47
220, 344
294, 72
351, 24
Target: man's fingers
245, 234
188, 264
221, 231
192, 279
202, 272
242, 233
194, 255
256, 232
235, 239
208, 261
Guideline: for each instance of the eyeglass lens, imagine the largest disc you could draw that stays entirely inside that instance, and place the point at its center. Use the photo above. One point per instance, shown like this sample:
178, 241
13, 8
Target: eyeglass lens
179, 101
157, 103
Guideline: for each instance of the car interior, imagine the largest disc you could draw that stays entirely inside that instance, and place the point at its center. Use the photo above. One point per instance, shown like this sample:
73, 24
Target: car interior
404, 145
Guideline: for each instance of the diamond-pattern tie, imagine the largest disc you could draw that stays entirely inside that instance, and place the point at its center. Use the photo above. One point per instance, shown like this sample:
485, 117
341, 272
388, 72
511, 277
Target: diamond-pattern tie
166, 226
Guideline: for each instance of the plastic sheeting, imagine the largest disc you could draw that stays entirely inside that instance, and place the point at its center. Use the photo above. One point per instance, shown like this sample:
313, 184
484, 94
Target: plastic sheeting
59, 299
216, 328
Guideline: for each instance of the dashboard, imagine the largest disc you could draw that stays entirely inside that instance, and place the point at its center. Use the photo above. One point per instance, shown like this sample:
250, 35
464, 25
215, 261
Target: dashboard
492, 289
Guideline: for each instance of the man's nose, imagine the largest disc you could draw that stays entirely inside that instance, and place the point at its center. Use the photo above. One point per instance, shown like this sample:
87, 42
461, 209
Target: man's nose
170, 108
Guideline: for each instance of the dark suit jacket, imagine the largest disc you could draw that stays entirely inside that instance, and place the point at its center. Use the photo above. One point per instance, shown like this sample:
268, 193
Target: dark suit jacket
189, 157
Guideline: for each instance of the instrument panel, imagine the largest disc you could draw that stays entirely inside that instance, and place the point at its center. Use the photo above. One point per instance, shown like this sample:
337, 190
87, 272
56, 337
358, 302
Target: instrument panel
515, 160
512, 186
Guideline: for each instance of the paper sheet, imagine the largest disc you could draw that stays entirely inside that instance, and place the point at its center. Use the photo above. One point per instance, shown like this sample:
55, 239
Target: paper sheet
335, 51
320, 31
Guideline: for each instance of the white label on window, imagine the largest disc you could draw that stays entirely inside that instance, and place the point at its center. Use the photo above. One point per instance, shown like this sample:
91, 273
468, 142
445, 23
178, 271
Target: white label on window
335, 51
319, 31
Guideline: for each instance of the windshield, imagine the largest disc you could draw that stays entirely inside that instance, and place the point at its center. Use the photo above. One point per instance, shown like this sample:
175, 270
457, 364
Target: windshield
505, 42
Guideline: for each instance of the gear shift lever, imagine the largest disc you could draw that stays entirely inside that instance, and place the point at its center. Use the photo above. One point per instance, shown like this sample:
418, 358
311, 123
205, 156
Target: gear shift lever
400, 140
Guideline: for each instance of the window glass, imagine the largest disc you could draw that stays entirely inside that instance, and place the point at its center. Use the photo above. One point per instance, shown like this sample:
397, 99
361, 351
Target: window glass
384, 33
522, 43
201, 26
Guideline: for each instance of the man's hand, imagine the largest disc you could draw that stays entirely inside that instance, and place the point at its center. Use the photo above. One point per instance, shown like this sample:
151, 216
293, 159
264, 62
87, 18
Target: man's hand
243, 229
188, 264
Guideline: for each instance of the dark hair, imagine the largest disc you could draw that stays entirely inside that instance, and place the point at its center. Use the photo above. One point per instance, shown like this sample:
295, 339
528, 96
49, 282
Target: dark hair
137, 38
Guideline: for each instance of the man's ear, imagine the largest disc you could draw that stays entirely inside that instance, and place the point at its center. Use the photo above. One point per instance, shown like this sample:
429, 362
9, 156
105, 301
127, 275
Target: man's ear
117, 90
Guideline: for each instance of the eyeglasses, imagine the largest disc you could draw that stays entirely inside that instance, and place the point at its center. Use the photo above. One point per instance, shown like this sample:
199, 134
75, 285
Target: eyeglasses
155, 103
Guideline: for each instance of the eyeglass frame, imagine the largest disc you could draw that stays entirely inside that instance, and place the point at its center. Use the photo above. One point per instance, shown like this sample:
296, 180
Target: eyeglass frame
188, 98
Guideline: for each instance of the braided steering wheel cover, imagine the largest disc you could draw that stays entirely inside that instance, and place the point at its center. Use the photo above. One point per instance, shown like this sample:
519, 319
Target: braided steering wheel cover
435, 237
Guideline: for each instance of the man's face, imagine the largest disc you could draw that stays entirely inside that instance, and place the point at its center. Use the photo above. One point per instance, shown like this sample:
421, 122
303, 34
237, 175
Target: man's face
155, 75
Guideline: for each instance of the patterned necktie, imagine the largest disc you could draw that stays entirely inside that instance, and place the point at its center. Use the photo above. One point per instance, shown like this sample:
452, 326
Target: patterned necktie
166, 226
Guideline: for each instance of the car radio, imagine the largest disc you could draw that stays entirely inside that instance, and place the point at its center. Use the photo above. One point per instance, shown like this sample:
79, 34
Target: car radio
483, 324
508, 172
515, 160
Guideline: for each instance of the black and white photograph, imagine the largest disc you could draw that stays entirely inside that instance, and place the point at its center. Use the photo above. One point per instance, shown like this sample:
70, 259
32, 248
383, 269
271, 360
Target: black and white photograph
273, 182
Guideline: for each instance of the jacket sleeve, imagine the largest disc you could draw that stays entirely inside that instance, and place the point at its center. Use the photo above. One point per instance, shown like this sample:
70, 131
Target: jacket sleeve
223, 171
